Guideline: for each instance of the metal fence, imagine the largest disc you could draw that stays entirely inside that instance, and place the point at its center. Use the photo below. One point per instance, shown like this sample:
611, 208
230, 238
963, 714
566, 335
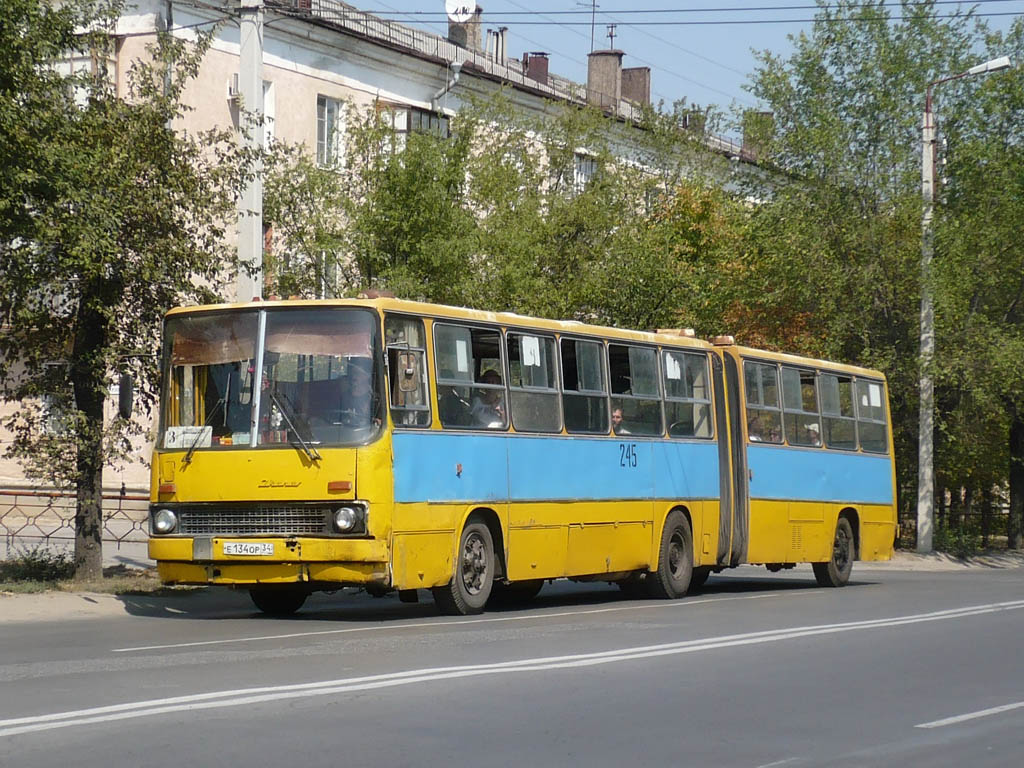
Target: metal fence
31, 518
959, 527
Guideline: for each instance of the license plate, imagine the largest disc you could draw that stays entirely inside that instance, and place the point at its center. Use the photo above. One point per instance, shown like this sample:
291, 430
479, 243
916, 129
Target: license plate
252, 549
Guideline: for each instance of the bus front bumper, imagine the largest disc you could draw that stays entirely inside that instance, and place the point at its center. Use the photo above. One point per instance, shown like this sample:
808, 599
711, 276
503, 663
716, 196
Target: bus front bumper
236, 561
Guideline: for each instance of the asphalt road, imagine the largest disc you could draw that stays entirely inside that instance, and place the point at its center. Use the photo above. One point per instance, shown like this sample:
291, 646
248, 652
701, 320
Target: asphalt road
758, 670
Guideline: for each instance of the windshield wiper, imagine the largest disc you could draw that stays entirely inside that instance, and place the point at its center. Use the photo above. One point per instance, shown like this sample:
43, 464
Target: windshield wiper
202, 429
309, 449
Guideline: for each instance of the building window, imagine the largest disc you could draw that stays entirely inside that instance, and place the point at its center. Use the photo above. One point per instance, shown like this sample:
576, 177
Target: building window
329, 127
584, 169
431, 123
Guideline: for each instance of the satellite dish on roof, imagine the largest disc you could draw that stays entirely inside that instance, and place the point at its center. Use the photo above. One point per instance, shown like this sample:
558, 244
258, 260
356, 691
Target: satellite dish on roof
459, 11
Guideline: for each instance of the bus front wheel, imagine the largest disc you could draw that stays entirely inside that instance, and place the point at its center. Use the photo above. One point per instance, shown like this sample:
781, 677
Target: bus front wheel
836, 572
675, 559
278, 601
471, 583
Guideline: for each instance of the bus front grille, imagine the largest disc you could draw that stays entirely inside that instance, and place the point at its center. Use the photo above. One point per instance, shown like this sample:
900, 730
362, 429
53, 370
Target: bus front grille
252, 521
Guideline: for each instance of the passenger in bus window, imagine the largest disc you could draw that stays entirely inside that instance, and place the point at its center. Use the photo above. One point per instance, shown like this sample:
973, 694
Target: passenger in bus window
617, 426
755, 427
813, 435
488, 405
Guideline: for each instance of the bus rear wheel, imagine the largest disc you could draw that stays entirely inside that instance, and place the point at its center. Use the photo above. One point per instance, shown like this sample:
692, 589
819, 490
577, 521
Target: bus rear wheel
471, 584
836, 572
278, 601
675, 559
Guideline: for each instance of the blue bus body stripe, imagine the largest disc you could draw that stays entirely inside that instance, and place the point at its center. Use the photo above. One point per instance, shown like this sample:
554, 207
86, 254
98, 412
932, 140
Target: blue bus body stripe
524, 468
504, 467
819, 475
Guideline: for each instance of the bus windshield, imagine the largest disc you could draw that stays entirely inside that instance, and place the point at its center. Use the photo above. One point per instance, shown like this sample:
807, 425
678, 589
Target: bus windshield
318, 383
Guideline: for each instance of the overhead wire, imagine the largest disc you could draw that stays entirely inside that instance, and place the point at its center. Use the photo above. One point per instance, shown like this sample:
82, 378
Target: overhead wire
711, 9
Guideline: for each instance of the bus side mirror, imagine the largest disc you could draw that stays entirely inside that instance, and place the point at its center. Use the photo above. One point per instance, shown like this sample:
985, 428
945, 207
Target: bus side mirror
408, 372
125, 396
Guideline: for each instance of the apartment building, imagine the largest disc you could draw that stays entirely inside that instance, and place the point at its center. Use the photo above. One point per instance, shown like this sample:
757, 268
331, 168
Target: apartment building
319, 54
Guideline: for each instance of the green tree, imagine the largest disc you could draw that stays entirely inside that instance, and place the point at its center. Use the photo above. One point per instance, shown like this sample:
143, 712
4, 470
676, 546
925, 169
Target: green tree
980, 277
835, 251
534, 215
108, 217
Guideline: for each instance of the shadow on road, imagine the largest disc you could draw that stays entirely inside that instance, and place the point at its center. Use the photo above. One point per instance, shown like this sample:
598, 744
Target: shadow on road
350, 605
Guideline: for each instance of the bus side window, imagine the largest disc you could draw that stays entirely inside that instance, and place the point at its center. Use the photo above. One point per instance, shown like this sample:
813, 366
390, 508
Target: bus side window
584, 397
635, 393
407, 366
764, 419
871, 416
470, 384
800, 406
687, 396
837, 410
533, 384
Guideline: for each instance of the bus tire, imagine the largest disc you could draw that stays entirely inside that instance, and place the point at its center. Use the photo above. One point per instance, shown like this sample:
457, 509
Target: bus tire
836, 572
278, 601
675, 559
471, 583
699, 576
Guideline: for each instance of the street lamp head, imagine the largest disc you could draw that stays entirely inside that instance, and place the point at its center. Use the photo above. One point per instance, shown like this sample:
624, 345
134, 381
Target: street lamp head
995, 65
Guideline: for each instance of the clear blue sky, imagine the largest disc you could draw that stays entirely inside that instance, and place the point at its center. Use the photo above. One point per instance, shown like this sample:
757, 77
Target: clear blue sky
703, 63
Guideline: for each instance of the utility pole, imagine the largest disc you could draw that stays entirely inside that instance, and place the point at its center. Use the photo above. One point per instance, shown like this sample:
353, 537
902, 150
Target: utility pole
926, 381
250, 207
926, 427
593, 14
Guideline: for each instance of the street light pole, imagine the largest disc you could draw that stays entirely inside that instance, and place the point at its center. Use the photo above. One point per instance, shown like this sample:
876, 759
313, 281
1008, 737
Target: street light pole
250, 205
926, 424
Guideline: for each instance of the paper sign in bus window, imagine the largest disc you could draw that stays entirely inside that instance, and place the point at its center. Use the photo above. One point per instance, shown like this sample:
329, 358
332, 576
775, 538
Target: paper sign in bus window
672, 368
461, 356
875, 393
531, 351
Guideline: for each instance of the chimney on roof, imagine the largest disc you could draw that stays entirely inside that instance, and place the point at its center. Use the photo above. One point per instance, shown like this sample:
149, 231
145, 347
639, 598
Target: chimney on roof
467, 33
535, 63
636, 84
604, 79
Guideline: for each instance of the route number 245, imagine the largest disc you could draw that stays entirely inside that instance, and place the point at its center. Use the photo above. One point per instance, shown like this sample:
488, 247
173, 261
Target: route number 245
627, 455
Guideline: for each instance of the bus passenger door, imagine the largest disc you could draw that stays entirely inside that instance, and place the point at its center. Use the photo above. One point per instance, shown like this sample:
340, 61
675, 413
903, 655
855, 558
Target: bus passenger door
733, 464
725, 483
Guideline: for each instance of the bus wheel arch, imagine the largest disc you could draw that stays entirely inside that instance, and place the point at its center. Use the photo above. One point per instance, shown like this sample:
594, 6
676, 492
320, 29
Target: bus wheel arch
478, 561
854, 519
671, 576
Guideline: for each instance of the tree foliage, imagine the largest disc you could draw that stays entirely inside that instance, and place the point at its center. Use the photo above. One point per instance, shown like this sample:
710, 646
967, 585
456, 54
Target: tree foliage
838, 249
108, 217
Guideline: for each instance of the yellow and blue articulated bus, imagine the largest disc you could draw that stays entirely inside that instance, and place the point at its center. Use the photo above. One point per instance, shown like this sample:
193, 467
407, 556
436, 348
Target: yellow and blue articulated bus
399, 446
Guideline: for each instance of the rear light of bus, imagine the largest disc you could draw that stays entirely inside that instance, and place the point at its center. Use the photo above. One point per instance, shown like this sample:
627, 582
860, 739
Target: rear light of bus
164, 521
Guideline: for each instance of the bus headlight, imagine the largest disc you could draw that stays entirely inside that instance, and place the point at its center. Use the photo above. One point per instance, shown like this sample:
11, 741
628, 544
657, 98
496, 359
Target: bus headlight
345, 519
164, 521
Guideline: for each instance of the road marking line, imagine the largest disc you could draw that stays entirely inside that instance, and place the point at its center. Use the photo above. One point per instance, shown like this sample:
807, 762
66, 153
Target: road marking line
241, 697
446, 623
971, 716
